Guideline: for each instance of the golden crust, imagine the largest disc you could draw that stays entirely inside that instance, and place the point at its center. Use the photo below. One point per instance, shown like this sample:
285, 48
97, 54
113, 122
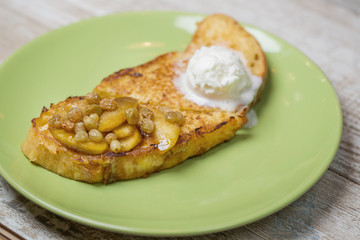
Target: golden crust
151, 83
199, 134
138, 82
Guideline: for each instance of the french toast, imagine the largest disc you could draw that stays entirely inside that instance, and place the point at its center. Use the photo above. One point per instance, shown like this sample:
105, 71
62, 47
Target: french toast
149, 86
216, 29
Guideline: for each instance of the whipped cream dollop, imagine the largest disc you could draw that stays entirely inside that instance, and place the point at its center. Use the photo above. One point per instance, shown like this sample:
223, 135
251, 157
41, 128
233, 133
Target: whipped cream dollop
217, 76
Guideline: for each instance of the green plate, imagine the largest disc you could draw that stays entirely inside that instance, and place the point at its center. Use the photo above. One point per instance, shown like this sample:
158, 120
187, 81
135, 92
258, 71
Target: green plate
258, 172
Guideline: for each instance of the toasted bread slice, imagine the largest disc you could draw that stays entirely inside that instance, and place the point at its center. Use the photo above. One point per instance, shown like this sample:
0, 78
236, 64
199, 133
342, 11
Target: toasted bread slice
152, 84
201, 132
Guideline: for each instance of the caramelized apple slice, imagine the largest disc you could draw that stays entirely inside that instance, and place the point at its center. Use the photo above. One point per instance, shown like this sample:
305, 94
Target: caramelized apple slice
131, 141
67, 138
112, 119
124, 130
166, 134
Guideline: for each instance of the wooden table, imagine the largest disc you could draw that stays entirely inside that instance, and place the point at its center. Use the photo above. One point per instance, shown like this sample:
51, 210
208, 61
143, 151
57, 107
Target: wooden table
328, 31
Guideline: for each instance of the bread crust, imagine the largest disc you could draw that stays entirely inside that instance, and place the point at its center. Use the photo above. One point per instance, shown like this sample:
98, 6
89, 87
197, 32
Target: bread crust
152, 84
217, 29
197, 137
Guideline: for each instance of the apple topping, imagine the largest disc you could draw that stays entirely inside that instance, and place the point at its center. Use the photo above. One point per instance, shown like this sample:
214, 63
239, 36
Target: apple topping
96, 125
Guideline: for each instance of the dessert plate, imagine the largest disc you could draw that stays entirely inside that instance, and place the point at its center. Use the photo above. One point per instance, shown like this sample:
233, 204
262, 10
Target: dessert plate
258, 172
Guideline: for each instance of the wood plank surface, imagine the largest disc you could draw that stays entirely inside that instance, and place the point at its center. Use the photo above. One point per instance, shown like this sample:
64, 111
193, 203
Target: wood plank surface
328, 31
